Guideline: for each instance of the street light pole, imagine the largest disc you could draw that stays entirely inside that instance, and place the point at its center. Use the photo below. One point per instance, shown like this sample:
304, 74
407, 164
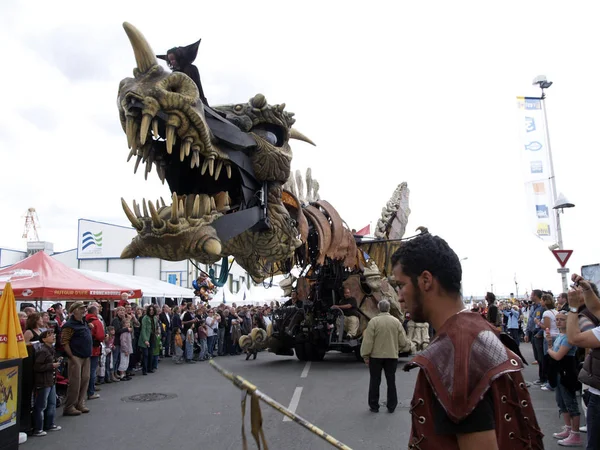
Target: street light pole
544, 84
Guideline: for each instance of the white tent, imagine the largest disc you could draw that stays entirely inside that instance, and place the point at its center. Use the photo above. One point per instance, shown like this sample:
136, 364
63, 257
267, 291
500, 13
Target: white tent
260, 294
223, 295
150, 287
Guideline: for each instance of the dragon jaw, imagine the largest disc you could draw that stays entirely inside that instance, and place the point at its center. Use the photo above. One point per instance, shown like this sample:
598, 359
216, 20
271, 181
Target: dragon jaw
166, 127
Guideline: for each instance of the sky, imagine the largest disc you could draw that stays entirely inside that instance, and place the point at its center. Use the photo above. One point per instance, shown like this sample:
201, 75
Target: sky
422, 92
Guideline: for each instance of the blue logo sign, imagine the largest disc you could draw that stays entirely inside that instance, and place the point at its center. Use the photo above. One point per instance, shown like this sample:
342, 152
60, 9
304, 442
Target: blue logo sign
542, 211
89, 239
533, 146
529, 124
537, 167
533, 103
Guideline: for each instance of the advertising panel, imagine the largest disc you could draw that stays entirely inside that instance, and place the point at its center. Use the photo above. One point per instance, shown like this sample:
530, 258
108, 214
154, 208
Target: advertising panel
102, 240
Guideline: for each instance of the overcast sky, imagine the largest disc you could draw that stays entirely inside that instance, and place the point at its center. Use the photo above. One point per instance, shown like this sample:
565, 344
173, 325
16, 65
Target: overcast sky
422, 92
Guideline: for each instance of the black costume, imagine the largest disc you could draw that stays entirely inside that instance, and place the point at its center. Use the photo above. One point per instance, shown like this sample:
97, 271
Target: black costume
185, 57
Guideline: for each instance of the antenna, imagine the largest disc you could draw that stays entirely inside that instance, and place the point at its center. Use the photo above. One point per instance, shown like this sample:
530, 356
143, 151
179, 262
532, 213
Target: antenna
32, 223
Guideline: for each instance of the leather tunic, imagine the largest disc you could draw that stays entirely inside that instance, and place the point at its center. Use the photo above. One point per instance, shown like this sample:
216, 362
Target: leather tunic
465, 361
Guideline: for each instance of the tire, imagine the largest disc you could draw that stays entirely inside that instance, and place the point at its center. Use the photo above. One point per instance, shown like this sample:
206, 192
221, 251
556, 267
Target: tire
318, 353
300, 350
357, 354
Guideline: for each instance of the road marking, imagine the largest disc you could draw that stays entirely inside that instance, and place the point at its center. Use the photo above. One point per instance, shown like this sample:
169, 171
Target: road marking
305, 371
294, 403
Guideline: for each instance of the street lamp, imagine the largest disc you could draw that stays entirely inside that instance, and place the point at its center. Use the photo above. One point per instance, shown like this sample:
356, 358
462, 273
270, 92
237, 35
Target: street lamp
560, 202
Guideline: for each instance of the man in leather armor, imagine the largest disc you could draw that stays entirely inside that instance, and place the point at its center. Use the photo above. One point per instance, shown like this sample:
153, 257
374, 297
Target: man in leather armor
470, 393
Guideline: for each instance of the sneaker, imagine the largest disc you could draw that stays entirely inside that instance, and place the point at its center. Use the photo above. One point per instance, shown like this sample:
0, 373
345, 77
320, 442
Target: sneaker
93, 397
547, 387
563, 434
538, 382
583, 429
574, 440
38, 433
54, 428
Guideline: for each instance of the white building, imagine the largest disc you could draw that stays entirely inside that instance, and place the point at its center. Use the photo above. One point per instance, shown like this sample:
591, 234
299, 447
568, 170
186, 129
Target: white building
99, 246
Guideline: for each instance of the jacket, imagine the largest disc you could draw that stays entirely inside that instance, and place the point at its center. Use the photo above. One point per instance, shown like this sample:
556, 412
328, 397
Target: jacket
146, 330
97, 333
383, 338
464, 362
43, 370
167, 322
80, 340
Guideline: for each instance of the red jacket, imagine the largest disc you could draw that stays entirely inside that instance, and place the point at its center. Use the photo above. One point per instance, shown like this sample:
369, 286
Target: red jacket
97, 333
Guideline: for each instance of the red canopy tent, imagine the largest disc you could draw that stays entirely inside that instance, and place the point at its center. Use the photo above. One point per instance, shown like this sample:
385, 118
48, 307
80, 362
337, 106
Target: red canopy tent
41, 277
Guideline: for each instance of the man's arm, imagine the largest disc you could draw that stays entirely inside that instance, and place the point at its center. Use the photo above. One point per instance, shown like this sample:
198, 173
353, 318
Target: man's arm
367, 344
592, 302
65, 336
477, 441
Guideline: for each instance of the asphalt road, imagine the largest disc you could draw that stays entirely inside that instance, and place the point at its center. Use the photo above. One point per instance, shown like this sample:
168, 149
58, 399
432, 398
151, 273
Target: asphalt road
206, 413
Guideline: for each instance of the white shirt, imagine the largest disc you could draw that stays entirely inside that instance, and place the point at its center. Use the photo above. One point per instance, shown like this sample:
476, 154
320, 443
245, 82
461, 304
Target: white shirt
551, 314
210, 322
267, 320
596, 332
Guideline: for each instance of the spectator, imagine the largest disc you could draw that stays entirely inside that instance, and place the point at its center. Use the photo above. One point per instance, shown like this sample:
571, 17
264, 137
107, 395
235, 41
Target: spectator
77, 342
147, 341
34, 328
166, 325
382, 341
563, 354
126, 349
44, 383
178, 355
97, 330
512, 327
535, 334
548, 322
590, 373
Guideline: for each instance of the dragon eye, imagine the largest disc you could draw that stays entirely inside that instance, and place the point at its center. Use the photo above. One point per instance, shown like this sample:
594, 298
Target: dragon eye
267, 136
238, 107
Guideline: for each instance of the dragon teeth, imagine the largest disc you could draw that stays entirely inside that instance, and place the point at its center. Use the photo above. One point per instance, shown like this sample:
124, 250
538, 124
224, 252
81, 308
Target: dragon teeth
132, 218
170, 138
146, 120
155, 128
174, 211
228, 168
218, 171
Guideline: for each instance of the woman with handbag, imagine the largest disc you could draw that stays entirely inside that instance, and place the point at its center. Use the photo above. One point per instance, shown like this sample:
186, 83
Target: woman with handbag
563, 359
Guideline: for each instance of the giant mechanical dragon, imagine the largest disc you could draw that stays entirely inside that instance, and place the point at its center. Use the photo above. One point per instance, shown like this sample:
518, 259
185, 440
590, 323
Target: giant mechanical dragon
233, 191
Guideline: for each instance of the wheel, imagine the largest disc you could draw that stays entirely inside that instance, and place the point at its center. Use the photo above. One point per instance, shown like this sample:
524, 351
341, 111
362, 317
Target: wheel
300, 351
317, 352
357, 353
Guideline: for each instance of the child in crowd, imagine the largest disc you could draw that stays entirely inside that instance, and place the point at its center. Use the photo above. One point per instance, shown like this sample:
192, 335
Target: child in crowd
44, 383
178, 357
189, 348
563, 355
109, 342
202, 340
126, 349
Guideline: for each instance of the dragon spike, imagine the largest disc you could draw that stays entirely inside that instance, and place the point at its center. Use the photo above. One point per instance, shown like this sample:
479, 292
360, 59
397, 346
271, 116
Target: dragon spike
132, 218
144, 56
295, 134
156, 220
174, 211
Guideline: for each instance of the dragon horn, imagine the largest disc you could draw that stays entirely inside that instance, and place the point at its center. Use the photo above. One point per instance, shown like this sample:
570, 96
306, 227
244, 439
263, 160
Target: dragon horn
144, 56
295, 134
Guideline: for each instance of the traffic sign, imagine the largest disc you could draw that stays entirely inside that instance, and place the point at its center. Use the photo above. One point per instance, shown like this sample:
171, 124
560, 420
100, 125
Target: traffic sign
563, 270
562, 256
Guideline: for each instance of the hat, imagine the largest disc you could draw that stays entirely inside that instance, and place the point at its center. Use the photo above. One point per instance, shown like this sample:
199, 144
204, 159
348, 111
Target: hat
189, 52
75, 306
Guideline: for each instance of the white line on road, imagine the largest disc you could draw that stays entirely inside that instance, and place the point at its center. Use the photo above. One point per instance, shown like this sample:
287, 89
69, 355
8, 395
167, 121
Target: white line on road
305, 371
294, 403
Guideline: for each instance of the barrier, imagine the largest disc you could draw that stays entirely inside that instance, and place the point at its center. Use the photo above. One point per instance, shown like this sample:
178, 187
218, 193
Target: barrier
256, 416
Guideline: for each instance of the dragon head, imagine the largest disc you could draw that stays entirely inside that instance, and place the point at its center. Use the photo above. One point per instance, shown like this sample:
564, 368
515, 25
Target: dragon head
225, 167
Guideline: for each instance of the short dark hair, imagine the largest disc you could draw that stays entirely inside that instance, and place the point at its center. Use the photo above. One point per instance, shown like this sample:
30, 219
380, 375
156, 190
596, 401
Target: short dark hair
431, 253
594, 288
490, 296
538, 293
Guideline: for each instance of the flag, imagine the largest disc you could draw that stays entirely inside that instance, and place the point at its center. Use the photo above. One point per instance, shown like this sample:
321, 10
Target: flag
536, 167
244, 295
363, 231
12, 343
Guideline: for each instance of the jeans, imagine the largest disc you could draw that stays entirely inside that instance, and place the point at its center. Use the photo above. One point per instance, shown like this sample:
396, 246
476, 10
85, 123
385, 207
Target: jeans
210, 342
566, 400
514, 333
116, 358
167, 343
538, 353
593, 423
93, 366
388, 365
203, 349
44, 408
154, 362
221, 341
146, 360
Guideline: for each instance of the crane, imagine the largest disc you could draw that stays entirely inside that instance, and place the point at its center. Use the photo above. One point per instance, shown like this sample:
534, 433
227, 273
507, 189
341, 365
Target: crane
32, 223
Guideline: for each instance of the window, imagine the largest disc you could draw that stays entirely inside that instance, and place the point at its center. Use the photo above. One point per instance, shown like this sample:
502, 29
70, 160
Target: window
230, 283
236, 287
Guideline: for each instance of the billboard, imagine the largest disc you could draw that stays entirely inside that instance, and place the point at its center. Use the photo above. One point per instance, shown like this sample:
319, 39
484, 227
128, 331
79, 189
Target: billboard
102, 240
537, 171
